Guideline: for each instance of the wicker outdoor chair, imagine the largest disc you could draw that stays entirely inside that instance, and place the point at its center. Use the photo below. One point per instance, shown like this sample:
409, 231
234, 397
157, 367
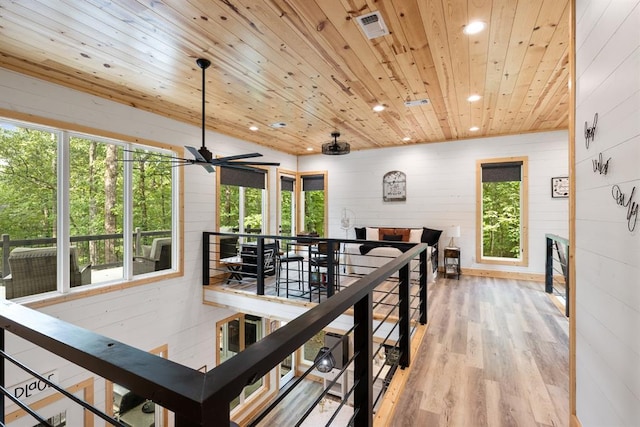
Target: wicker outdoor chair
155, 257
34, 271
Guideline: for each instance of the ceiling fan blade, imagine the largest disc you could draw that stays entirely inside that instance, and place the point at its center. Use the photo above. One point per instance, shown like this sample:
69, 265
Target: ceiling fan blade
199, 159
250, 163
235, 157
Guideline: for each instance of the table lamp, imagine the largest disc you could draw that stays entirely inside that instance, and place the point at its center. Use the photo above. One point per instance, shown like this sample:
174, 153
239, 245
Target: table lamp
454, 231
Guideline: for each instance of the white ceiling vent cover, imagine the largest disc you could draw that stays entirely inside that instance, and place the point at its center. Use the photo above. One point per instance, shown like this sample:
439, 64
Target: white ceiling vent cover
373, 25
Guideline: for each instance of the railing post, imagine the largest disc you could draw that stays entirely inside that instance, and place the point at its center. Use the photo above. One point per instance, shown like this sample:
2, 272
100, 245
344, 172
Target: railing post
2, 376
363, 367
260, 266
206, 241
548, 271
331, 260
423, 287
6, 248
404, 318
138, 240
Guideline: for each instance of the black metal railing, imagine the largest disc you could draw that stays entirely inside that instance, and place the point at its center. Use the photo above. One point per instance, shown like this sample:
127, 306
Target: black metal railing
557, 261
203, 399
288, 265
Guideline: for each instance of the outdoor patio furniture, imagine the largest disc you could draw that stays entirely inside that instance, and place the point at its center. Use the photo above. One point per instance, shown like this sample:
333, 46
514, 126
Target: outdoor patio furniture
34, 271
155, 257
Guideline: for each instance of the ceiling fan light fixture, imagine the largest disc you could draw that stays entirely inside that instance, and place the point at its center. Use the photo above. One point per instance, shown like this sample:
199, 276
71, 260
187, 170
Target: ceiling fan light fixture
336, 148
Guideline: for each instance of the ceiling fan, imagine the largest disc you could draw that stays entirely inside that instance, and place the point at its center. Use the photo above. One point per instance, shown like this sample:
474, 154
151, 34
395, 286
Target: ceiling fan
204, 157
336, 148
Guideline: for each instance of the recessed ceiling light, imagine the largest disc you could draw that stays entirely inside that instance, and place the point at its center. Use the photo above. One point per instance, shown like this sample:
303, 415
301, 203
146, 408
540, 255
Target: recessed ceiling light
406, 138
473, 98
309, 148
474, 27
378, 108
253, 128
474, 128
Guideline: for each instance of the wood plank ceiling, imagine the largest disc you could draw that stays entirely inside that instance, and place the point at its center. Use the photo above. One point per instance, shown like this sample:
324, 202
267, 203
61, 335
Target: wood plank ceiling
308, 64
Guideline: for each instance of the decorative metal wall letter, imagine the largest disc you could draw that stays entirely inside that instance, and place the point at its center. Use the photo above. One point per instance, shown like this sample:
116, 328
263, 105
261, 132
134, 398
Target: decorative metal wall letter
560, 186
394, 186
590, 131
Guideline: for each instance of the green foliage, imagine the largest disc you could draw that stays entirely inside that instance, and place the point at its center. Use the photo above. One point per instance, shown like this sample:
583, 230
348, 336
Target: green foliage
501, 219
28, 189
27, 183
314, 211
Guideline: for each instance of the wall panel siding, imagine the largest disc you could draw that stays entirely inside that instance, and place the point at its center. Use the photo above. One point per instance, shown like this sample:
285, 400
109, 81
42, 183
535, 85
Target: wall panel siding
441, 188
167, 312
607, 253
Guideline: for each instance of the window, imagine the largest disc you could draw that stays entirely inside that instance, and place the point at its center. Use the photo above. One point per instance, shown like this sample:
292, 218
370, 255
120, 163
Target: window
234, 335
502, 211
83, 202
287, 205
313, 202
242, 200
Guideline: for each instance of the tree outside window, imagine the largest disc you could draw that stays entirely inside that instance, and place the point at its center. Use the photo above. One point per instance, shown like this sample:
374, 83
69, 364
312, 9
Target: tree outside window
502, 193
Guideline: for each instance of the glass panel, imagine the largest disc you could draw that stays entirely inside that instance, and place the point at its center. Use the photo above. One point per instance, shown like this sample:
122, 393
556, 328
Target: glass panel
229, 206
314, 211
28, 209
501, 219
253, 210
152, 213
287, 206
95, 208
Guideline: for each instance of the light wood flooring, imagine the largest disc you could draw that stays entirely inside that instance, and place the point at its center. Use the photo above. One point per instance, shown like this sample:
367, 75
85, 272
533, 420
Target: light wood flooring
496, 354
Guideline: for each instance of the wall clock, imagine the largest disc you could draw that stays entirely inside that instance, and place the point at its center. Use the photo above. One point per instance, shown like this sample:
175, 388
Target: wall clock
394, 186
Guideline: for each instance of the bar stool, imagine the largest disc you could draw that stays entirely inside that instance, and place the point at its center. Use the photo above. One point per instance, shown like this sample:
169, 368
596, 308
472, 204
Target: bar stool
286, 258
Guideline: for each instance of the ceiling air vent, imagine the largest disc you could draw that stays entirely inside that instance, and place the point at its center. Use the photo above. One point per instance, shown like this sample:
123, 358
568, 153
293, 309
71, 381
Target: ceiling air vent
416, 102
373, 25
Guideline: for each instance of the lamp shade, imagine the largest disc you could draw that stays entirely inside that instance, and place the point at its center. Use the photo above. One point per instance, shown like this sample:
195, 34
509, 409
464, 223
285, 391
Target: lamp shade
454, 231
324, 360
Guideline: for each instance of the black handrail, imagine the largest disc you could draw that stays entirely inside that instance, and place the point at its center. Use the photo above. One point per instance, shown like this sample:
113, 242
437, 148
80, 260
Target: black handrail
202, 399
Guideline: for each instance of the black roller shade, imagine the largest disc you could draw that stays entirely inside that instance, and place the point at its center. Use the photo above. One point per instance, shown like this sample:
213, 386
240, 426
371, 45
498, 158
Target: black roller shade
286, 183
313, 183
243, 177
502, 172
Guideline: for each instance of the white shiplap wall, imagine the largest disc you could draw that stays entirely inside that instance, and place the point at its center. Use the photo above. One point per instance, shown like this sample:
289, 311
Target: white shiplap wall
441, 188
607, 253
168, 312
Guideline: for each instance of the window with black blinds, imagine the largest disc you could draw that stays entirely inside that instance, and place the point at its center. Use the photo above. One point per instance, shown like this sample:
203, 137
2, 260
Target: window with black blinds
243, 177
313, 183
286, 183
502, 172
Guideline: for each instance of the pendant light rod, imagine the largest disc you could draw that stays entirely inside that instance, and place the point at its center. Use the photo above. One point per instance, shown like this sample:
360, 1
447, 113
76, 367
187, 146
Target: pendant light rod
203, 64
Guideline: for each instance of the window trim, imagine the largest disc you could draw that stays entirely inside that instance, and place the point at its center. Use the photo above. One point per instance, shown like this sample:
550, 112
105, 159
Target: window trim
300, 202
74, 129
523, 261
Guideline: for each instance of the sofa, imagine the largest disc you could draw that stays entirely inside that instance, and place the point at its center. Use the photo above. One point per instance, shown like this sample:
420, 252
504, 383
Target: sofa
377, 248
34, 271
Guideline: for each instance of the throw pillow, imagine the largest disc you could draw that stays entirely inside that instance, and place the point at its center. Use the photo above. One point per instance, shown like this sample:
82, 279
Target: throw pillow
430, 236
361, 233
372, 233
415, 235
392, 237
404, 232
387, 231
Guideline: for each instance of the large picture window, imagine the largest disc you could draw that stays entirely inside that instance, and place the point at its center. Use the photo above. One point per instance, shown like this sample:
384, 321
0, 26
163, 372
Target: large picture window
242, 200
95, 206
502, 211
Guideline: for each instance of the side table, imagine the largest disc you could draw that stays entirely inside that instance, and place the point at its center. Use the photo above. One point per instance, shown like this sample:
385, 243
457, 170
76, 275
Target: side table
452, 261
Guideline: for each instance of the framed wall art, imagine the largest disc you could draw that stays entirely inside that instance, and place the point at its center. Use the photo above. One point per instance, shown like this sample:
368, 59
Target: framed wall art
560, 187
394, 186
